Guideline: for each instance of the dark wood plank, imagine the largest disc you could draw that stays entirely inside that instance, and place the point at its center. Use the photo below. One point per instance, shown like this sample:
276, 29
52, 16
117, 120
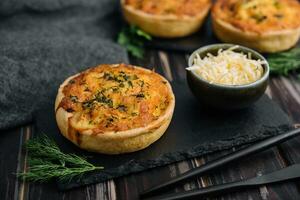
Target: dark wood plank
12, 162
105, 191
267, 162
285, 91
172, 65
138, 182
291, 103
130, 186
178, 64
9, 146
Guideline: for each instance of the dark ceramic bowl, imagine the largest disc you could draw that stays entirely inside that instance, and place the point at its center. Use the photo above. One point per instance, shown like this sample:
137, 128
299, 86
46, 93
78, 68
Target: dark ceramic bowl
226, 97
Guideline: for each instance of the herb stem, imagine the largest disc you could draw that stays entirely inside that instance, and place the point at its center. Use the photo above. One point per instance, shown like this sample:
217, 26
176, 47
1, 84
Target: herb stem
46, 162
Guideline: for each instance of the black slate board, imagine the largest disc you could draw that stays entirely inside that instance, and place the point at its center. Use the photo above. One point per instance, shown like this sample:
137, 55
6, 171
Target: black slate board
192, 132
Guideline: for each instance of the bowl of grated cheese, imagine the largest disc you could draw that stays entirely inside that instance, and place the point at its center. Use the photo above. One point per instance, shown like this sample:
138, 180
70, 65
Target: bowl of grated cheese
227, 76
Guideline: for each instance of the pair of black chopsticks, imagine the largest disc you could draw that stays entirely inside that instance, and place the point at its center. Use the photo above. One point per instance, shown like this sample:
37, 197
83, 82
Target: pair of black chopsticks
285, 174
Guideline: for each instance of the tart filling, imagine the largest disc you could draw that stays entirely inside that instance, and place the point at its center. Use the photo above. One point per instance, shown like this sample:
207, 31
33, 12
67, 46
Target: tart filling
259, 16
114, 109
115, 98
166, 18
169, 7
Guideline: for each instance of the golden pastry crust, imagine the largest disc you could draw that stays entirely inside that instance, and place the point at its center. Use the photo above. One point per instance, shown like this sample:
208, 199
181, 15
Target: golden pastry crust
166, 18
265, 25
114, 109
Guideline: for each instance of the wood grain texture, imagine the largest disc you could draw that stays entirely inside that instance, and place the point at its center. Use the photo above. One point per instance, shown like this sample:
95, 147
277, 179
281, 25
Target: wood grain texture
283, 90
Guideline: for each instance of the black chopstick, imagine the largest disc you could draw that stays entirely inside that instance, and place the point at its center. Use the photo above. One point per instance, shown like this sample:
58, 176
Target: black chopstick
257, 147
288, 173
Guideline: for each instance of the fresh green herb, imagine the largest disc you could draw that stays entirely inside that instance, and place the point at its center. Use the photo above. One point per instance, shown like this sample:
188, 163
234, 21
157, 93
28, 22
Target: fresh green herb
133, 38
284, 62
47, 161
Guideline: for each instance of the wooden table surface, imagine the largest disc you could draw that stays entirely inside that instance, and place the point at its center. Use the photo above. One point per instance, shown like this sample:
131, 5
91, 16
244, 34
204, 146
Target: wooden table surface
283, 90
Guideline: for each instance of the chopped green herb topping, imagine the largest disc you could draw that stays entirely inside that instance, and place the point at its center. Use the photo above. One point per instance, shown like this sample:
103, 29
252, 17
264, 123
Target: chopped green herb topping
101, 98
259, 18
74, 99
122, 108
130, 84
88, 104
277, 4
279, 16
134, 114
70, 110
141, 95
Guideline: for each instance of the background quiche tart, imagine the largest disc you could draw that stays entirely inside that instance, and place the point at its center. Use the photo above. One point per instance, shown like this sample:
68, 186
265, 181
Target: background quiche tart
166, 18
114, 109
265, 25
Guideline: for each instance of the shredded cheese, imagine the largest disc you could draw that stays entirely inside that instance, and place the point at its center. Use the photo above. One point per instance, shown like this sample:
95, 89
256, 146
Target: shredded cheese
228, 68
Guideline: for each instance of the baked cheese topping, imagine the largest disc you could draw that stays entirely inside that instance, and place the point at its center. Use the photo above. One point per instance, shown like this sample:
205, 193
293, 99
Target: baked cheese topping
259, 15
115, 98
167, 7
228, 68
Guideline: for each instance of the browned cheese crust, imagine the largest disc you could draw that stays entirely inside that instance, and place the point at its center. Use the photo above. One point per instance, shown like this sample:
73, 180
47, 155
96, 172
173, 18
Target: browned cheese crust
266, 25
113, 102
169, 7
166, 18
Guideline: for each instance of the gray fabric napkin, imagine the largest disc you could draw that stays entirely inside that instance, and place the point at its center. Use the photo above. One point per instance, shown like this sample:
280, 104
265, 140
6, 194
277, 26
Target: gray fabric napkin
42, 42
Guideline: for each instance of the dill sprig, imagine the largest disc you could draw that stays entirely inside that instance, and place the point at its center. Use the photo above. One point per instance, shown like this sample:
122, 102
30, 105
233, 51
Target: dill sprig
284, 62
46, 162
133, 39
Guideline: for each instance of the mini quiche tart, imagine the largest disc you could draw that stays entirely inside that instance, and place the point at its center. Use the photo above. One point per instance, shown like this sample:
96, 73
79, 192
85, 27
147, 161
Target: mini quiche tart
114, 109
166, 18
265, 25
